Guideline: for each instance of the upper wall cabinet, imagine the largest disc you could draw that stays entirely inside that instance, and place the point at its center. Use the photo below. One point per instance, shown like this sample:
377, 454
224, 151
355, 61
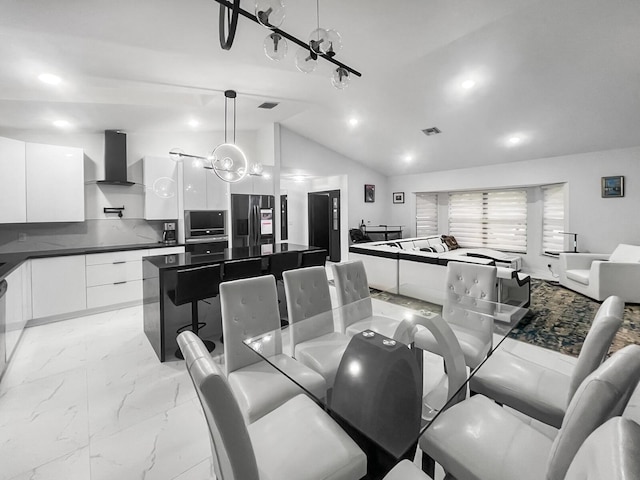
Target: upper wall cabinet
55, 183
202, 189
13, 187
160, 178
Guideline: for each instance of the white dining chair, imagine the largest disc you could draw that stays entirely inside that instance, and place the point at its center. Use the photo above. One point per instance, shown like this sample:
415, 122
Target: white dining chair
479, 440
471, 322
297, 440
352, 288
313, 339
249, 308
541, 392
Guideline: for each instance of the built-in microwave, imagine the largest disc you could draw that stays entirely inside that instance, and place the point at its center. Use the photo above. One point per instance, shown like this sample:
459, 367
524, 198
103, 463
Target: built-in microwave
205, 223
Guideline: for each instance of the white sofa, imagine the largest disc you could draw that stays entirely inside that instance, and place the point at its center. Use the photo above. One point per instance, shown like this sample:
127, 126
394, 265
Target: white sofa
599, 276
402, 267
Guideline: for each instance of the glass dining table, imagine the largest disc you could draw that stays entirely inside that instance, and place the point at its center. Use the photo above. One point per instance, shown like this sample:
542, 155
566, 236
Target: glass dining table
387, 391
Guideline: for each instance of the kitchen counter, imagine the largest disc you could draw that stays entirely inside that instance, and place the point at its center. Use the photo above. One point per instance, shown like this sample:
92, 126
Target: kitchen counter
162, 318
10, 261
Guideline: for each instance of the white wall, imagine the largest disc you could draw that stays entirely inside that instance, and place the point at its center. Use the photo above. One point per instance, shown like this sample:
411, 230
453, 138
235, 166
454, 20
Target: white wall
303, 156
601, 223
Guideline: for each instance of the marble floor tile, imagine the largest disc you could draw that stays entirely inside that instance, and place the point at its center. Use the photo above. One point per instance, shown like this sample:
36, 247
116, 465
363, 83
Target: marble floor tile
161, 448
42, 420
73, 466
202, 471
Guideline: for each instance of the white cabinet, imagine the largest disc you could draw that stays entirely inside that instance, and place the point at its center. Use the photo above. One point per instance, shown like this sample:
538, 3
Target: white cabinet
58, 285
203, 190
13, 186
160, 178
18, 306
55, 183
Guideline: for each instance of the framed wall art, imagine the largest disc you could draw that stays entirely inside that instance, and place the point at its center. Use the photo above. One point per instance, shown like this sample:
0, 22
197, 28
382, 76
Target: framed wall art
398, 197
369, 193
612, 187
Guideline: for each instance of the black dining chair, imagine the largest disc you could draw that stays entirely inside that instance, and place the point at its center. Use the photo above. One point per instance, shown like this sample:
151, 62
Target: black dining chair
193, 285
313, 258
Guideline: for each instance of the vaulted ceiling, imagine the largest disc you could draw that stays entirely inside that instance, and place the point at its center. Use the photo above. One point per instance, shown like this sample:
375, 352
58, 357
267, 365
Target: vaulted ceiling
561, 76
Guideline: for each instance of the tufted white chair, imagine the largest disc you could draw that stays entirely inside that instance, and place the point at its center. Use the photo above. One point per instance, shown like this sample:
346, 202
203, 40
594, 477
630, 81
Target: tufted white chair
540, 392
297, 440
313, 342
479, 440
249, 308
352, 288
611, 452
466, 282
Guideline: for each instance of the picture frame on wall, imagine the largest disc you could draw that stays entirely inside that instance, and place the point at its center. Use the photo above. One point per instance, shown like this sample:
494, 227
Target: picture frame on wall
369, 193
398, 197
612, 187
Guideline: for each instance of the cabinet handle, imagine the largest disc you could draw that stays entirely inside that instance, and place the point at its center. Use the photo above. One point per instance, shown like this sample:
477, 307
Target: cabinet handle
118, 263
119, 283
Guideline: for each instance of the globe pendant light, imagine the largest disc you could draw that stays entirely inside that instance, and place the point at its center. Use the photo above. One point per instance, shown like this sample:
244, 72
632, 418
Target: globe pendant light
340, 78
306, 60
228, 161
270, 13
275, 46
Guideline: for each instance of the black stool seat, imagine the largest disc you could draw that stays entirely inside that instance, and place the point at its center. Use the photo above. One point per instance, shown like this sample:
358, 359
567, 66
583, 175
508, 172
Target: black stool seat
314, 258
244, 268
192, 285
281, 262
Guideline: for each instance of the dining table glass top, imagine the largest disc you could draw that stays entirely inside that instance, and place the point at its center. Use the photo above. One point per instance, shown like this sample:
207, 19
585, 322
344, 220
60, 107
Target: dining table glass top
382, 374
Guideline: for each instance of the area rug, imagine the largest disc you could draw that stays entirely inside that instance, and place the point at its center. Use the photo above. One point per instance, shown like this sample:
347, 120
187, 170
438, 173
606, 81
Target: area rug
558, 318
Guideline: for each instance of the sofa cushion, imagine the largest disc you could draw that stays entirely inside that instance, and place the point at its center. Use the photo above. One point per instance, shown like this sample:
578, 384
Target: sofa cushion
439, 248
626, 253
422, 243
406, 245
450, 241
580, 276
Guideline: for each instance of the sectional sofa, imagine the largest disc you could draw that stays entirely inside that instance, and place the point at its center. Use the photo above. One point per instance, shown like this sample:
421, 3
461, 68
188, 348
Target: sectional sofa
416, 267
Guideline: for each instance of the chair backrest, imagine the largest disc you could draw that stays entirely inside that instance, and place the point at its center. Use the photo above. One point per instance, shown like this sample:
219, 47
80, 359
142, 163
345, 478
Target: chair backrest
233, 455
625, 253
601, 396
307, 292
352, 287
466, 282
196, 283
244, 268
612, 451
313, 258
605, 324
281, 262
249, 307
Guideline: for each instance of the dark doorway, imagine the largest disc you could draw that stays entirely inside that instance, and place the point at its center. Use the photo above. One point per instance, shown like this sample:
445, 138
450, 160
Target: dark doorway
284, 218
324, 222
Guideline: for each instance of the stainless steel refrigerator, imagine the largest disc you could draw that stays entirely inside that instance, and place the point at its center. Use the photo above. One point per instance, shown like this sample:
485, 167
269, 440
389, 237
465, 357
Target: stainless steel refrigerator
252, 219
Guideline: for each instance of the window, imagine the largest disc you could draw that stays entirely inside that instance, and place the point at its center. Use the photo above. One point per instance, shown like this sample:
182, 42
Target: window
553, 218
426, 214
493, 219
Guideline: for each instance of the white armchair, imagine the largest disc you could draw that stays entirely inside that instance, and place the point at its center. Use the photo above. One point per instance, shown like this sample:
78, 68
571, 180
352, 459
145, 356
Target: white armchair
599, 275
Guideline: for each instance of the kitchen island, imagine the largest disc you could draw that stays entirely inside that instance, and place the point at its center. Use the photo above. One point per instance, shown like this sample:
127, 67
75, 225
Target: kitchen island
162, 318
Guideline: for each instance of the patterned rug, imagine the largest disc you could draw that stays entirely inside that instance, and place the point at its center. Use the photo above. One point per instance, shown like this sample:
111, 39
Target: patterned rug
559, 319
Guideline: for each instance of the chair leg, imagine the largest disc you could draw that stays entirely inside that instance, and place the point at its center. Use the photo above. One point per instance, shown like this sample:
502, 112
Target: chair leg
428, 465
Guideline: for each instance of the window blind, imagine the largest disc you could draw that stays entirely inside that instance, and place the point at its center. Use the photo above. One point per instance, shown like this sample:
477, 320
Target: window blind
553, 218
426, 214
492, 219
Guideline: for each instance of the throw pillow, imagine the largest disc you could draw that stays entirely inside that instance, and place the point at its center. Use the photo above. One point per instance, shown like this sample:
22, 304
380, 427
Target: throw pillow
450, 241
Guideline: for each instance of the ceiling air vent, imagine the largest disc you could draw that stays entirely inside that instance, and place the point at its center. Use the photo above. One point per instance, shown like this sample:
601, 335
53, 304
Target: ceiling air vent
268, 105
431, 131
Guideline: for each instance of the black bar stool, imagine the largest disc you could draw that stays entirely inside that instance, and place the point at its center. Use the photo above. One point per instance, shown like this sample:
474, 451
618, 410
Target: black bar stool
314, 258
278, 264
193, 285
245, 268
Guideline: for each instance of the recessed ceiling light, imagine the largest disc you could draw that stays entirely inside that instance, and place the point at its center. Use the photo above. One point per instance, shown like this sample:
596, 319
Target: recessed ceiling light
266, 176
514, 140
298, 178
194, 123
61, 123
49, 78
408, 158
353, 121
467, 84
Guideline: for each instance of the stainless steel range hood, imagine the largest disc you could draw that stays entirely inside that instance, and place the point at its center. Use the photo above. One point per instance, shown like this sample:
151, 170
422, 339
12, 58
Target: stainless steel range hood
115, 159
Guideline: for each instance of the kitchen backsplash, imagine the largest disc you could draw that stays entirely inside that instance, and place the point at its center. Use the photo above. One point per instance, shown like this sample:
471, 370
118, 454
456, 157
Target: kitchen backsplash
90, 233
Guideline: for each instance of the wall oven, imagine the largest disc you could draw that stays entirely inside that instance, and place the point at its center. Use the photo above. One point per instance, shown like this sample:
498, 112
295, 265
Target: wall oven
205, 231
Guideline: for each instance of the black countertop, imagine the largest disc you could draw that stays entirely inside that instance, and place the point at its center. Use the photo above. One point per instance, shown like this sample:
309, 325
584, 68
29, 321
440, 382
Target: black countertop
235, 253
9, 261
